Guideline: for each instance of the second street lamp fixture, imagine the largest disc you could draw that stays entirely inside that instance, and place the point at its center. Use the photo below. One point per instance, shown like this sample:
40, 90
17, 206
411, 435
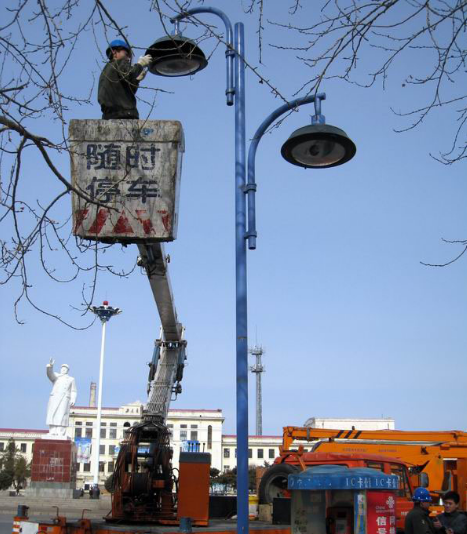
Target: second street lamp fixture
318, 146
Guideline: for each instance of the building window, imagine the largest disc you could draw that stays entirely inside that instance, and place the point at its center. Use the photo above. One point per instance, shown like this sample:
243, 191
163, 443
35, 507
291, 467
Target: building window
23, 447
226, 468
126, 425
271, 453
235, 453
2, 446
260, 453
103, 433
250, 453
183, 426
113, 431
101, 467
226, 453
183, 435
89, 423
111, 450
87, 468
88, 432
193, 426
78, 431
194, 435
210, 437
110, 467
101, 449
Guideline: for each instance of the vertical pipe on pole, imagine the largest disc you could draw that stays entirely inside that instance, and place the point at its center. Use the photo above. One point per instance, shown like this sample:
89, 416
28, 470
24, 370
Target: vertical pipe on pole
241, 285
99, 408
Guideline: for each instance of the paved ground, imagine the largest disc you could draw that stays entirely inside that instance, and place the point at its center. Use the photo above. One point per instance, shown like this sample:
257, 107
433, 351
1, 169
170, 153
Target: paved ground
6, 525
44, 508
229, 527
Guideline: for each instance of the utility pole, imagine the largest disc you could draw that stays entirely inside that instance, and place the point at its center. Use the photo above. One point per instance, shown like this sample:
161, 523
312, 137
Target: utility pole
258, 369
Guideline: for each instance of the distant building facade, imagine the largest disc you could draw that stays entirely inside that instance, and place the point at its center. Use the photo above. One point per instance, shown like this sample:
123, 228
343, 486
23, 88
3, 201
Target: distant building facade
202, 427
351, 424
24, 440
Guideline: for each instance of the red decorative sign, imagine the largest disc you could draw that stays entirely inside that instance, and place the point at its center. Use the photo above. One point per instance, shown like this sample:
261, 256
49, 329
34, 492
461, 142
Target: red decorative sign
381, 512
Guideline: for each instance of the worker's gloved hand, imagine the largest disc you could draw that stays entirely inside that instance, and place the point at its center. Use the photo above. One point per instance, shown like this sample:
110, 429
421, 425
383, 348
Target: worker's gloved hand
145, 61
141, 76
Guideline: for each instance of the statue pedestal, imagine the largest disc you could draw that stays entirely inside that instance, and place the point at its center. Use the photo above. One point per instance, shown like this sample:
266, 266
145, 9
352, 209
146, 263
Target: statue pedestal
53, 472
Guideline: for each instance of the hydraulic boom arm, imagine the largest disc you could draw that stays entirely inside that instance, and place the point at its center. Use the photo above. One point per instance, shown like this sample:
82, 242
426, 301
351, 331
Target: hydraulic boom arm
166, 368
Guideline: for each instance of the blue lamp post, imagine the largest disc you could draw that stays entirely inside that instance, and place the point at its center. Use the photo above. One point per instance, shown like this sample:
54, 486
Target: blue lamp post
315, 146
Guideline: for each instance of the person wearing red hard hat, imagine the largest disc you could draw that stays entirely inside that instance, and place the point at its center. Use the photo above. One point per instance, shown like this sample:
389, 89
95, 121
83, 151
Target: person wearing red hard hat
418, 520
119, 82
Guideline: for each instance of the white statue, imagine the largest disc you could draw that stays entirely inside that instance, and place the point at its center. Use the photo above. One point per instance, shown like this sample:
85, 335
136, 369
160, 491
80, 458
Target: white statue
62, 397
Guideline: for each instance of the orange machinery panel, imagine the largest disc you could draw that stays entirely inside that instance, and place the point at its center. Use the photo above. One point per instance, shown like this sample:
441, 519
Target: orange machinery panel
193, 487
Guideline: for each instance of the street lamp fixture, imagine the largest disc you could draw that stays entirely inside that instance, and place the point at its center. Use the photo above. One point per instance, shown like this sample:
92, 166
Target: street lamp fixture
176, 56
315, 146
105, 313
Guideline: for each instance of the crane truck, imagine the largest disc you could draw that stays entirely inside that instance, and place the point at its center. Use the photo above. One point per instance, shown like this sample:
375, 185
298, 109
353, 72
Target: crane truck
436, 460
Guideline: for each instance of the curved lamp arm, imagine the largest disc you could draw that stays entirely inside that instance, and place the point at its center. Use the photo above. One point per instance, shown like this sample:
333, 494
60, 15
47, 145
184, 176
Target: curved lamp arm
230, 51
250, 188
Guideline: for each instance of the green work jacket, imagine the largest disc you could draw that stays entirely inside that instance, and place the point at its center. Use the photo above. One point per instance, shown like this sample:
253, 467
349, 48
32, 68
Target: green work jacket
418, 521
117, 88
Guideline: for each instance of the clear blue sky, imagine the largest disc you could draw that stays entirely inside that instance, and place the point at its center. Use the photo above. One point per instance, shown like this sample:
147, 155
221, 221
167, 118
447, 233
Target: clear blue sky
353, 325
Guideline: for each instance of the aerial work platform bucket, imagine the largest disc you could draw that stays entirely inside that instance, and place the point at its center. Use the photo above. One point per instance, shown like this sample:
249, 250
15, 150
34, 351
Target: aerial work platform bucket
128, 172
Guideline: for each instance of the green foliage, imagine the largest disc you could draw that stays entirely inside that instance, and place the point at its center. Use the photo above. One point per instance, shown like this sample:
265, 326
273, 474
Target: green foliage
6, 480
14, 470
252, 479
229, 478
213, 474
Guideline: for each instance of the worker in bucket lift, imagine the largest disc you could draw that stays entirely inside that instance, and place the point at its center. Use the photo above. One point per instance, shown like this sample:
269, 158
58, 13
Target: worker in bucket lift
418, 520
452, 521
119, 82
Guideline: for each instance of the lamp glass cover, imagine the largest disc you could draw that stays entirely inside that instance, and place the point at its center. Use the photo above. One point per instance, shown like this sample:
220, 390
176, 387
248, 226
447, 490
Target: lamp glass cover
318, 152
176, 66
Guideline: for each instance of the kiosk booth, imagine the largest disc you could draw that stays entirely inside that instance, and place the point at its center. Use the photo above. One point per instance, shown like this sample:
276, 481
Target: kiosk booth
335, 499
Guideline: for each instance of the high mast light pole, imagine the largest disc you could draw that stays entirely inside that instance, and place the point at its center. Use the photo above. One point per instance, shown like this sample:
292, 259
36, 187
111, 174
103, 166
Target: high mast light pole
105, 313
